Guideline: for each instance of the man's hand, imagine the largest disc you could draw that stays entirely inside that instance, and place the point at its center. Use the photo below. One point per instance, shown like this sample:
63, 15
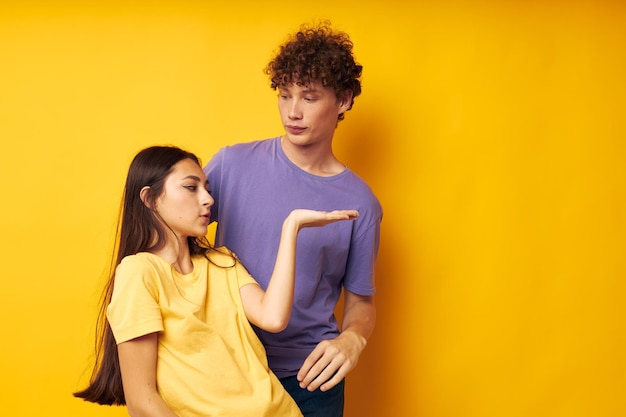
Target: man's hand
330, 361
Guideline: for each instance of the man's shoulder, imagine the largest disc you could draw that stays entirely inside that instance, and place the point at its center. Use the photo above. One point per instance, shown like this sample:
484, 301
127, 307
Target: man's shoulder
252, 147
359, 185
355, 189
240, 154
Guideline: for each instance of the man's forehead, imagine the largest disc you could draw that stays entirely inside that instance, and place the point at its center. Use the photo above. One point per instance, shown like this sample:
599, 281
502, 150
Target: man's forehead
309, 86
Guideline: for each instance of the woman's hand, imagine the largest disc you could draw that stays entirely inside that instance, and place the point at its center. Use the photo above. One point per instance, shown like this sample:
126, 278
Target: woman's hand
314, 218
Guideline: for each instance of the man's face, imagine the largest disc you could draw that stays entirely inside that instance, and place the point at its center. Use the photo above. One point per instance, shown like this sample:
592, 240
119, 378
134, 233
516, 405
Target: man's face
309, 113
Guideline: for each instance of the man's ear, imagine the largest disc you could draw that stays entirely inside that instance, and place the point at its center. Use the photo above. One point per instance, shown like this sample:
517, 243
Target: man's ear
345, 99
144, 194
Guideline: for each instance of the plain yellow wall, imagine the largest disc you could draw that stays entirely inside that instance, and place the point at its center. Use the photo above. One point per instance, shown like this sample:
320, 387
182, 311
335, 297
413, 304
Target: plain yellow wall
492, 132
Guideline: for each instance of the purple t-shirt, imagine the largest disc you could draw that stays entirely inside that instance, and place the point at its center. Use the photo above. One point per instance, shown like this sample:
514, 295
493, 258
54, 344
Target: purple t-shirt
255, 187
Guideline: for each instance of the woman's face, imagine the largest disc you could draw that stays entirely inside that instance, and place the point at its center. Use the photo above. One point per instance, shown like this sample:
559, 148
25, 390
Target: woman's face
185, 204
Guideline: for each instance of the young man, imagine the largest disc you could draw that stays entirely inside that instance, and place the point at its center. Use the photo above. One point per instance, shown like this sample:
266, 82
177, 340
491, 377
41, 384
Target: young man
256, 184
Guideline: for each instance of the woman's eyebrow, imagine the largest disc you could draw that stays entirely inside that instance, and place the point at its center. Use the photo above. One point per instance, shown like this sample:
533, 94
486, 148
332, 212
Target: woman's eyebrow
193, 177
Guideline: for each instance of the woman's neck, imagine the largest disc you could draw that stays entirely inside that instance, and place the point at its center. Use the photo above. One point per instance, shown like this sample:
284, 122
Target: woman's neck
177, 254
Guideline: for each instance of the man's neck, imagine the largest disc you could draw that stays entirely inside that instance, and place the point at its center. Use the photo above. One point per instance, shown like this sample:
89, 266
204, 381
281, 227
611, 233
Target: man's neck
317, 159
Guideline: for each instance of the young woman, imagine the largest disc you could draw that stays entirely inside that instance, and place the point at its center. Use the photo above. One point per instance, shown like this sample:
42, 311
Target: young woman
174, 335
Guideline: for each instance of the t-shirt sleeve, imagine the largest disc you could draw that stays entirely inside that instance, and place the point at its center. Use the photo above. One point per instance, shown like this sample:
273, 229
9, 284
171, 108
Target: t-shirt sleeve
134, 309
243, 276
361, 265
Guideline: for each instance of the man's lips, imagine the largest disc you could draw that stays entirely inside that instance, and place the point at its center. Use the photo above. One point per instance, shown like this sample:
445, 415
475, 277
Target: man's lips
295, 129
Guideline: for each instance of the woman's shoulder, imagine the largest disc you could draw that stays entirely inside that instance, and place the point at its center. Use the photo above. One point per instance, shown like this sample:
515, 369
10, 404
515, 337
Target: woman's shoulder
222, 257
143, 262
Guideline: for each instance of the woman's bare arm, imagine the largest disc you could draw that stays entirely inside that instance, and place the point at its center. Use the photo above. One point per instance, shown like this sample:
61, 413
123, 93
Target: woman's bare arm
138, 358
270, 310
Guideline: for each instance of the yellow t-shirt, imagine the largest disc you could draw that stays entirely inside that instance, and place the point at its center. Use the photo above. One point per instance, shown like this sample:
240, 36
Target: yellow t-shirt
210, 361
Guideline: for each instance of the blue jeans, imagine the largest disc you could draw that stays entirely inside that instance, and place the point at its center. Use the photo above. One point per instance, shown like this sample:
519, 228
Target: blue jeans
316, 403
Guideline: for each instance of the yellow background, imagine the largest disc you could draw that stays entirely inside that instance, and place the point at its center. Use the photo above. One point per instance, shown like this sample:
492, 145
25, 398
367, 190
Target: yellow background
492, 132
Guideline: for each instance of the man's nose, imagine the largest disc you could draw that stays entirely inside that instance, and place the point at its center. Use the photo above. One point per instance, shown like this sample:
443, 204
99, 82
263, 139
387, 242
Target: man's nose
295, 112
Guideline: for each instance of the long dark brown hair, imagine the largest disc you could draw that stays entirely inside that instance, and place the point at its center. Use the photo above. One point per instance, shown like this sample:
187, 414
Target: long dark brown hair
138, 230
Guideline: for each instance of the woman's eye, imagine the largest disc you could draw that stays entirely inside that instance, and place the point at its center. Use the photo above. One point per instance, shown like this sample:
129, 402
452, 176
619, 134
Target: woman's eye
191, 187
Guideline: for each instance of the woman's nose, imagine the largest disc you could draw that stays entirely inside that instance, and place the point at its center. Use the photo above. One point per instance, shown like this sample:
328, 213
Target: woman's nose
207, 199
